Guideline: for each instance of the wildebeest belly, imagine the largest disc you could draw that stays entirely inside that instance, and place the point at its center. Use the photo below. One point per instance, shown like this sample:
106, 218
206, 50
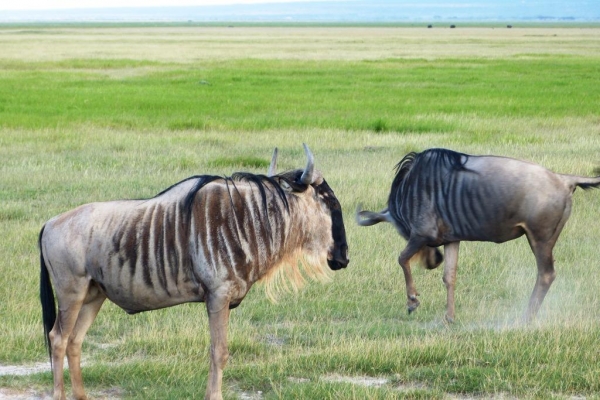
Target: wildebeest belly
490, 229
134, 298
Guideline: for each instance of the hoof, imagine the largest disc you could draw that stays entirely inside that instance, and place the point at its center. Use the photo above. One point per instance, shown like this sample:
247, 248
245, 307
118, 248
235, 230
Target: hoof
413, 303
449, 320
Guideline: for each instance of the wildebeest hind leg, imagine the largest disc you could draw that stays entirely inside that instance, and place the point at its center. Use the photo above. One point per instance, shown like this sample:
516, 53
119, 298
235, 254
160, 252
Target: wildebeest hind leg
412, 247
545, 277
68, 310
542, 239
450, 263
87, 314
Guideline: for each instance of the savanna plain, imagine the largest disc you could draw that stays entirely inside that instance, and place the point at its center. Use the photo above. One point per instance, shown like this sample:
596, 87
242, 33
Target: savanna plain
101, 113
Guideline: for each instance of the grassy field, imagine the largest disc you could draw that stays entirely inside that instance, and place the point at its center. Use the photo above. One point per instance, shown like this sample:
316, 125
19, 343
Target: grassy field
90, 114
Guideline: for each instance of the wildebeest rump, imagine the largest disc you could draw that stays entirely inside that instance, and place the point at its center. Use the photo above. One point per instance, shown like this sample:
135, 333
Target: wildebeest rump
204, 239
441, 197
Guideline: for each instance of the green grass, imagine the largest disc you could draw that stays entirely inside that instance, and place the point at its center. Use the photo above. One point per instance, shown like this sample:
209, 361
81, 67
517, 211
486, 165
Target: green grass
79, 130
397, 95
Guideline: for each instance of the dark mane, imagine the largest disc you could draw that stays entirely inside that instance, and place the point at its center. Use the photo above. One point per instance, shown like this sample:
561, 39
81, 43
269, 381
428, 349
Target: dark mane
444, 158
201, 181
403, 167
429, 159
263, 183
204, 178
266, 186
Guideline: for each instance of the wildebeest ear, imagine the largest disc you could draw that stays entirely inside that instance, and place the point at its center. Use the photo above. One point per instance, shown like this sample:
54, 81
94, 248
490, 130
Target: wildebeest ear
273, 167
290, 185
285, 186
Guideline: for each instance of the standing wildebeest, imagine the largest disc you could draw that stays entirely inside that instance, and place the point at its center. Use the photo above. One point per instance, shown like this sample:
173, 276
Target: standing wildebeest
204, 239
440, 197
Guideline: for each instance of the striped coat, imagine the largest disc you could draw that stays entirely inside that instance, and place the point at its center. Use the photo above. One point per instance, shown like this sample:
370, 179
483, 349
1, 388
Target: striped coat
204, 239
441, 197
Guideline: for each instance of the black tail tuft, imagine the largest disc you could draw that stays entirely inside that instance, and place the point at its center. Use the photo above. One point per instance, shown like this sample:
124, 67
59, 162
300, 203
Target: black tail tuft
46, 298
368, 218
589, 185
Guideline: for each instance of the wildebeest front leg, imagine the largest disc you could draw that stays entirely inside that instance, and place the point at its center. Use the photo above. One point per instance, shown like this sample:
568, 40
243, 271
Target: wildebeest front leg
218, 320
450, 263
414, 245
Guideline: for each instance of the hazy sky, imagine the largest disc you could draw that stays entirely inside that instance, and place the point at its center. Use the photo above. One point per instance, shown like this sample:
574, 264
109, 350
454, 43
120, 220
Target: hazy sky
55, 4
290, 10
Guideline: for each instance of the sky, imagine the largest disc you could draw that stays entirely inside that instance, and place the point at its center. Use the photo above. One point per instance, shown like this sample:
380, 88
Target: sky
374, 11
58, 4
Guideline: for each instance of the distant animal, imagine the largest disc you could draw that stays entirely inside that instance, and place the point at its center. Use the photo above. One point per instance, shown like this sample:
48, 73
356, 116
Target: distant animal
205, 239
440, 197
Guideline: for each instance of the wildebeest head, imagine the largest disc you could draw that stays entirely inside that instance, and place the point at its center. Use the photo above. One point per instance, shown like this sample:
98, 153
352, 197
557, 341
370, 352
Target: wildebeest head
310, 182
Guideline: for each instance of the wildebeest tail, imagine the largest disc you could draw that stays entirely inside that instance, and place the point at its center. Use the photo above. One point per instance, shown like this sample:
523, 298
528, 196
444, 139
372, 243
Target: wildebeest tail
588, 183
368, 218
46, 298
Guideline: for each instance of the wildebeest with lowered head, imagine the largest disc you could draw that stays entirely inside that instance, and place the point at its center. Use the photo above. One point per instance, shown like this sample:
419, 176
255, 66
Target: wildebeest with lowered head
204, 239
441, 197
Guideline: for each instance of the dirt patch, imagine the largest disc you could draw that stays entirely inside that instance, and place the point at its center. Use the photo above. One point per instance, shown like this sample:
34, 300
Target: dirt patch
498, 396
38, 394
33, 394
357, 380
251, 396
298, 380
370, 381
274, 340
24, 369
29, 394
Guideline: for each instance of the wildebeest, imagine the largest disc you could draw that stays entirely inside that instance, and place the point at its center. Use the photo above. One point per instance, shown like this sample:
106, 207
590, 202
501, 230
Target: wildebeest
204, 239
441, 197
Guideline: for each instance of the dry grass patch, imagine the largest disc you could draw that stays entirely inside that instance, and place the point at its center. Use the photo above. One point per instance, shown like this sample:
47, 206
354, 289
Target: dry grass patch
192, 44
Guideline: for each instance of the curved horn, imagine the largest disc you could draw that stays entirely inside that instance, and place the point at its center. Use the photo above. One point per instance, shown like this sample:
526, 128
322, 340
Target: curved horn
273, 167
307, 175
